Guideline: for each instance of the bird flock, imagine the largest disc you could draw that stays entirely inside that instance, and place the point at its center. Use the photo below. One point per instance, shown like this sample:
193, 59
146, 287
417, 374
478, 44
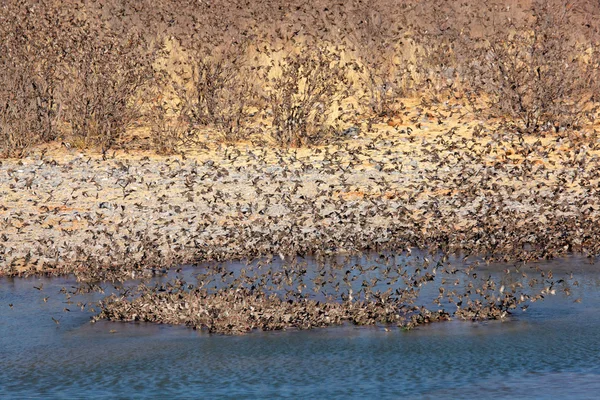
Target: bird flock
472, 192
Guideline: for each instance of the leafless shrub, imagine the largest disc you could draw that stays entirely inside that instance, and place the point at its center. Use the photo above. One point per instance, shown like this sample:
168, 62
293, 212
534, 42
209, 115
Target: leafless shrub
106, 74
17, 110
69, 70
168, 130
29, 105
374, 37
302, 96
441, 31
534, 73
220, 92
78, 70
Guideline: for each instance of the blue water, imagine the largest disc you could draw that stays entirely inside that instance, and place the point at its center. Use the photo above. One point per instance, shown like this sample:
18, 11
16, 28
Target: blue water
550, 351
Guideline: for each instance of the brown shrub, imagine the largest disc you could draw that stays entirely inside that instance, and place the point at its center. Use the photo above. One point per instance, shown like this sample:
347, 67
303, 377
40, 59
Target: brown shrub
69, 70
29, 105
80, 70
106, 75
535, 71
168, 132
303, 95
374, 37
221, 91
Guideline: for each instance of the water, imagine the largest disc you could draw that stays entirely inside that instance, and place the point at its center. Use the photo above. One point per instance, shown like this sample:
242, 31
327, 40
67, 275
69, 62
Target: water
550, 351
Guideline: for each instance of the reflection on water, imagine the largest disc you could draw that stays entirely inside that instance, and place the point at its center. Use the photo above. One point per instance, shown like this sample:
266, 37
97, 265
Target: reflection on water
549, 351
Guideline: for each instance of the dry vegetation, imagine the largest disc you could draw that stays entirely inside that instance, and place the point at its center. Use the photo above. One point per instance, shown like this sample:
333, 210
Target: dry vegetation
294, 73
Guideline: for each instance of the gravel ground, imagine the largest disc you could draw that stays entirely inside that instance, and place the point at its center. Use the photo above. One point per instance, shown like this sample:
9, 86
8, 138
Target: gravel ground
467, 189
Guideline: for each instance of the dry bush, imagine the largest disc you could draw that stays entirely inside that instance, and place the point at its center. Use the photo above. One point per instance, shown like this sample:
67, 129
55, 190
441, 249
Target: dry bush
168, 129
534, 72
29, 104
80, 70
69, 71
221, 91
441, 30
19, 126
534, 64
377, 34
106, 74
303, 95
374, 37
